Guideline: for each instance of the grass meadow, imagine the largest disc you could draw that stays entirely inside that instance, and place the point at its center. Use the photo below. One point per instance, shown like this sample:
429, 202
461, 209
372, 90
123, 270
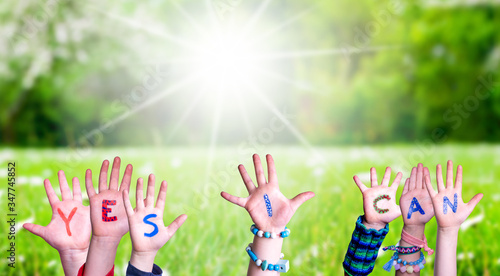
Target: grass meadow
213, 239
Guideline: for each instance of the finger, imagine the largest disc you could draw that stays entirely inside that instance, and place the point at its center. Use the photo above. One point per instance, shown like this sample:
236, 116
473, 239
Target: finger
115, 174
77, 190
407, 186
395, 183
103, 176
420, 176
51, 195
162, 194
473, 202
439, 178
271, 170
373, 177
126, 202
426, 174
139, 196
429, 187
259, 172
449, 175
413, 179
300, 198
358, 182
246, 179
234, 199
88, 184
387, 177
458, 180
127, 178
172, 228
35, 229
63, 186
150, 192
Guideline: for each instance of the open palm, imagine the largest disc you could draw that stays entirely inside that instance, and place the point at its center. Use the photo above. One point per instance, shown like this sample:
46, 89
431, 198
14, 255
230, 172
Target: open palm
116, 227
73, 235
145, 236
269, 209
457, 213
379, 201
416, 197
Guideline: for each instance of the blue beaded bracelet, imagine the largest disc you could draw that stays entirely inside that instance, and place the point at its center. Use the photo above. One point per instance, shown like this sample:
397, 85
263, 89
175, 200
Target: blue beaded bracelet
259, 233
281, 266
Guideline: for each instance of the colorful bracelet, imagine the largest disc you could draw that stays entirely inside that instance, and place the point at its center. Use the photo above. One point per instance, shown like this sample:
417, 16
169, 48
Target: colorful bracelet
260, 233
403, 250
405, 266
363, 249
281, 266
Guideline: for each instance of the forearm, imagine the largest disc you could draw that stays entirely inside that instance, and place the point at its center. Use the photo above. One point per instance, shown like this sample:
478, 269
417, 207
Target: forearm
265, 249
101, 256
416, 231
143, 260
72, 260
363, 248
446, 251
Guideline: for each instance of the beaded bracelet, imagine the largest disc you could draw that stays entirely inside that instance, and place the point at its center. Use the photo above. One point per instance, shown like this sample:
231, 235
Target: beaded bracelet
405, 266
403, 250
271, 235
281, 266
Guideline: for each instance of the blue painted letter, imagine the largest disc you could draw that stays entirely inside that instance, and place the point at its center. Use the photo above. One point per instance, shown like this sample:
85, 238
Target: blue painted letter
447, 202
415, 206
268, 205
152, 224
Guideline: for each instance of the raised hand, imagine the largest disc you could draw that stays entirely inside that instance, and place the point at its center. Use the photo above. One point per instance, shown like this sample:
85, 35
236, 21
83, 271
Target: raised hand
450, 212
147, 230
69, 229
449, 208
379, 201
415, 202
107, 212
269, 209
108, 217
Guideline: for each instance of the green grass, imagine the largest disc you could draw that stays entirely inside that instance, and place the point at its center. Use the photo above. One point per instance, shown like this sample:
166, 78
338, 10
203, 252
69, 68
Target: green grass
213, 239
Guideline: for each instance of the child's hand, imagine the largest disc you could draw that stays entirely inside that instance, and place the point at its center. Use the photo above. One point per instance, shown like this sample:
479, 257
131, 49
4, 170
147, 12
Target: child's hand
69, 229
269, 209
415, 202
379, 201
147, 230
449, 208
107, 212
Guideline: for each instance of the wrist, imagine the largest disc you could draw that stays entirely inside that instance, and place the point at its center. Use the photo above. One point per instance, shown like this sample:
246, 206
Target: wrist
73, 255
448, 229
143, 260
373, 225
105, 242
415, 230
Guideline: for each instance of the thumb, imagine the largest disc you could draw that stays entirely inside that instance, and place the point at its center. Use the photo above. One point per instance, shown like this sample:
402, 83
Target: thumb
301, 198
35, 229
473, 202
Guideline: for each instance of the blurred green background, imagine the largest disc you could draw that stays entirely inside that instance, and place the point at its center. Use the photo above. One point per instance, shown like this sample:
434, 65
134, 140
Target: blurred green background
189, 89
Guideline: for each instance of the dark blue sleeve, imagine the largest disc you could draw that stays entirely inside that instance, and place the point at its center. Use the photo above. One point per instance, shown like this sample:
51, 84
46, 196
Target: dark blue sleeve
133, 271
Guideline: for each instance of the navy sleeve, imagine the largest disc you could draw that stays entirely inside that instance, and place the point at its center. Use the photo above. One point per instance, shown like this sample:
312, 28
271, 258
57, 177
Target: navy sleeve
133, 271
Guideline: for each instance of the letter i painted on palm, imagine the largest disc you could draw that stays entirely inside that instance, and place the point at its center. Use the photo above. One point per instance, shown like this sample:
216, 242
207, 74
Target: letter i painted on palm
447, 202
268, 205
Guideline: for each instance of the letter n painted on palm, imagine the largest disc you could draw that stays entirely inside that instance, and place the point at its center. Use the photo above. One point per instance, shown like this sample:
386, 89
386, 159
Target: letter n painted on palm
447, 202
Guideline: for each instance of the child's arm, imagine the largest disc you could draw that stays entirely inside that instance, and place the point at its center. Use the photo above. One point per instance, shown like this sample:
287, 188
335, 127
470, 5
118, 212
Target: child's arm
417, 210
451, 212
269, 209
69, 229
380, 208
147, 230
108, 217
